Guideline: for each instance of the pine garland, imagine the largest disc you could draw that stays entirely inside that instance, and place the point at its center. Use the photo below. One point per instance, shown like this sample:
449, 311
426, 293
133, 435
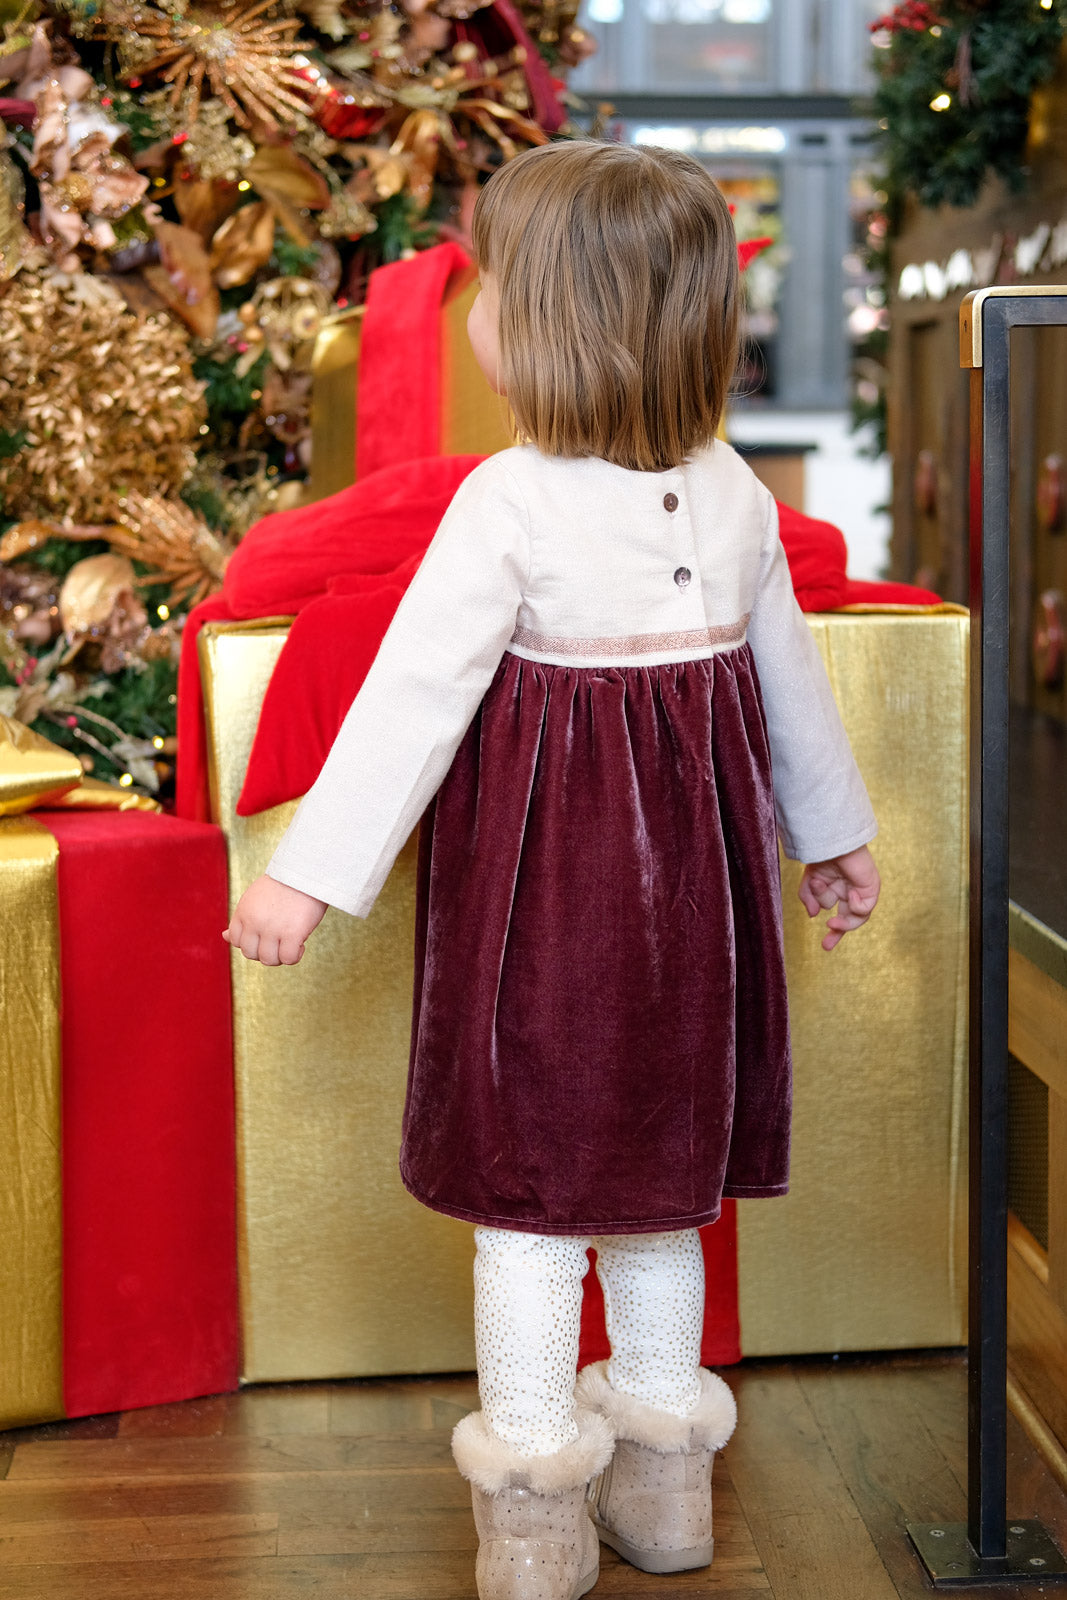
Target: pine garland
954, 90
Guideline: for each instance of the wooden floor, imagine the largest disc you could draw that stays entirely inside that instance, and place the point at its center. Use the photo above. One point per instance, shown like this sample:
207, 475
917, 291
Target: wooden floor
348, 1489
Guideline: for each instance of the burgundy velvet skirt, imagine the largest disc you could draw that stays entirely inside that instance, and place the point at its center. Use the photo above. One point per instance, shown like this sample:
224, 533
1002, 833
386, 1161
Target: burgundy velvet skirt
600, 1040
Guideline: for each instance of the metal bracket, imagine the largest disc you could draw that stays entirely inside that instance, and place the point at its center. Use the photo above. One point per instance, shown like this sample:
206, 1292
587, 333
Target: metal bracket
950, 1559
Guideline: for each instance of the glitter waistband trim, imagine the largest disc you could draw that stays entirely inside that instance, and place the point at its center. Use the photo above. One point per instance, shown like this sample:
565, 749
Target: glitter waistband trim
632, 644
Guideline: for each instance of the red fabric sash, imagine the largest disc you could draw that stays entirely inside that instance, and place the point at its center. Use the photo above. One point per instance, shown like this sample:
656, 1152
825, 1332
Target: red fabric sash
149, 1204
399, 396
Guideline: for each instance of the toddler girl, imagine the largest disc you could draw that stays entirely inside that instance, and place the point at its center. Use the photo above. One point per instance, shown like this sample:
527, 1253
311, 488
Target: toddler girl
595, 670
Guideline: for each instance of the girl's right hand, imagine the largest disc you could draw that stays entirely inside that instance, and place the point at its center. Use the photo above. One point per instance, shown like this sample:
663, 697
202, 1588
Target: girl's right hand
272, 921
849, 882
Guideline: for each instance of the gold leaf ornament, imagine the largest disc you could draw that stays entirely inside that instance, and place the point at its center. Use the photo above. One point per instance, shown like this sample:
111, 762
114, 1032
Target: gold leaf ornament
92, 589
183, 279
242, 245
291, 185
419, 140
203, 204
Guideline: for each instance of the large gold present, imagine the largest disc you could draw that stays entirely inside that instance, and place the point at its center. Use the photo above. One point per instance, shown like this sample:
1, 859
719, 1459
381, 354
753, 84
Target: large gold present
343, 1273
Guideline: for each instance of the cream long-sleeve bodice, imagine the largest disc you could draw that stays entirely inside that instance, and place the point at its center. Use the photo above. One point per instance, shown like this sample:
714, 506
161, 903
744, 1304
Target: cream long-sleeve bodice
585, 564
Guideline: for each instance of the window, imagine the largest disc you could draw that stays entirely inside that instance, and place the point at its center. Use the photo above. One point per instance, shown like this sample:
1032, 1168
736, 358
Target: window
728, 46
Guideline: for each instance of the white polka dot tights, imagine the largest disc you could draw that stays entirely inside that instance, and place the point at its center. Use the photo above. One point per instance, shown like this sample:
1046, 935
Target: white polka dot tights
527, 1306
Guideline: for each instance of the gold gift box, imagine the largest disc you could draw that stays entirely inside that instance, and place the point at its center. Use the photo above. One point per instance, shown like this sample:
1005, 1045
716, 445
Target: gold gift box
343, 1273
473, 421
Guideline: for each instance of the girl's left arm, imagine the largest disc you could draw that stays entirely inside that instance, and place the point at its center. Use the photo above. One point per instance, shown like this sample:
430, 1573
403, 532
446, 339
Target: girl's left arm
405, 725
822, 806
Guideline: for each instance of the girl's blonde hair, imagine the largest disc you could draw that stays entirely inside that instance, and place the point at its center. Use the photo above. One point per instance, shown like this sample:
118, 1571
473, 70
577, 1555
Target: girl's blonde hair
617, 273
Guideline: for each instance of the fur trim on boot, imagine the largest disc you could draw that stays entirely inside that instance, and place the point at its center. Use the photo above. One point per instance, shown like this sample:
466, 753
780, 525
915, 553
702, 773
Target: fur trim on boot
708, 1427
535, 1537
653, 1501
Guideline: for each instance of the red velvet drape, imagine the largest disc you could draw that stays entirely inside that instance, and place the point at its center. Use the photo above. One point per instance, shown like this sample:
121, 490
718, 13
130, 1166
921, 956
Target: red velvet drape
149, 1235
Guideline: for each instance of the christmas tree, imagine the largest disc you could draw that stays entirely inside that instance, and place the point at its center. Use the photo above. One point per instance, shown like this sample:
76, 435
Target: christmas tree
186, 191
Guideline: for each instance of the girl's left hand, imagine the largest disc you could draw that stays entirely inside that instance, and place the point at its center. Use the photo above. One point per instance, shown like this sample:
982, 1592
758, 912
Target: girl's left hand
850, 883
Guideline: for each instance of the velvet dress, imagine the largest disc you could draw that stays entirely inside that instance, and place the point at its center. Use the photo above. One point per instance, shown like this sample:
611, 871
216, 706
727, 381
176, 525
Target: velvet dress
601, 693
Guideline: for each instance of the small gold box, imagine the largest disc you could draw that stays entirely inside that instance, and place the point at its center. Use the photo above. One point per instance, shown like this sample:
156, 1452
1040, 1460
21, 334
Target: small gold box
473, 420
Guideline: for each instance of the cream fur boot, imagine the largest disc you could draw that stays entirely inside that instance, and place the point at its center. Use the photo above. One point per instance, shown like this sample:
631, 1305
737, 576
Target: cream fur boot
535, 1538
653, 1501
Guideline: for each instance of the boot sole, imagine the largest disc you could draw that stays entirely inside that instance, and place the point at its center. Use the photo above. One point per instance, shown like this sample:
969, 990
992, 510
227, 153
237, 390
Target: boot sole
658, 1561
587, 1583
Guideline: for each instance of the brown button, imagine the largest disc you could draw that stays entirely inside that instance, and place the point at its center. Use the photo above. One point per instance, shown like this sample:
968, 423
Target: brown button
670, 502
683, 577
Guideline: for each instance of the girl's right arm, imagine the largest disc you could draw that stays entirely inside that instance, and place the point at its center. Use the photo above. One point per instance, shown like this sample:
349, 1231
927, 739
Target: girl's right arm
425, 685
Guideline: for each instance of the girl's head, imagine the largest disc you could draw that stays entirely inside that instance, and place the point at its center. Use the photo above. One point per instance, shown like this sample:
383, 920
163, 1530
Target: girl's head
615, 272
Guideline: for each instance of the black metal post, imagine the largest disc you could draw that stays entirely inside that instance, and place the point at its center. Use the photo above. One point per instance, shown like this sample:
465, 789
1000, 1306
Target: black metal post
987, 1403
988, 1549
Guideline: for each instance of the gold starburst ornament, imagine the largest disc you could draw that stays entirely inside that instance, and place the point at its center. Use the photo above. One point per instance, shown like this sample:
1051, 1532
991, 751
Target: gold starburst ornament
237, 51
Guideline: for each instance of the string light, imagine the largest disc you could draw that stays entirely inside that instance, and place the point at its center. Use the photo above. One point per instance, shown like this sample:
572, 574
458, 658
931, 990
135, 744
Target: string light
126, 780
163, 612
940, 102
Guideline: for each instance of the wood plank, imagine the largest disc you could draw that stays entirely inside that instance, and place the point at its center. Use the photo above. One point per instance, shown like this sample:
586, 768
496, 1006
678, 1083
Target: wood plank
328, 1497
350, 1407
807, 1529
873, 1421
1037, 1337
159, 1538
1037, 1021
942, 1399
431, 1576
263, 1410
104, 1427
397, 1408
228, 1457
1057, 1200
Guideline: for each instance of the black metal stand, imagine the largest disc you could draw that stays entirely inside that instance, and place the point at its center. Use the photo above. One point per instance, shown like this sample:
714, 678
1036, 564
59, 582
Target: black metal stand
986, 1550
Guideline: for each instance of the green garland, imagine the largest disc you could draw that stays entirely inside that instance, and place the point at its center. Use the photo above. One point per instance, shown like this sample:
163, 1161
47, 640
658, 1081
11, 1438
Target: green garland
954, 88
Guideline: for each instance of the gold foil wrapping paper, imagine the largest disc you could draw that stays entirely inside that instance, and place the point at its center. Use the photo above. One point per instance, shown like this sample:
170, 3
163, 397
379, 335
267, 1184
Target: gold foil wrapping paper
36, 774
868, 1250
33, 770
31, 1351
343, 1273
